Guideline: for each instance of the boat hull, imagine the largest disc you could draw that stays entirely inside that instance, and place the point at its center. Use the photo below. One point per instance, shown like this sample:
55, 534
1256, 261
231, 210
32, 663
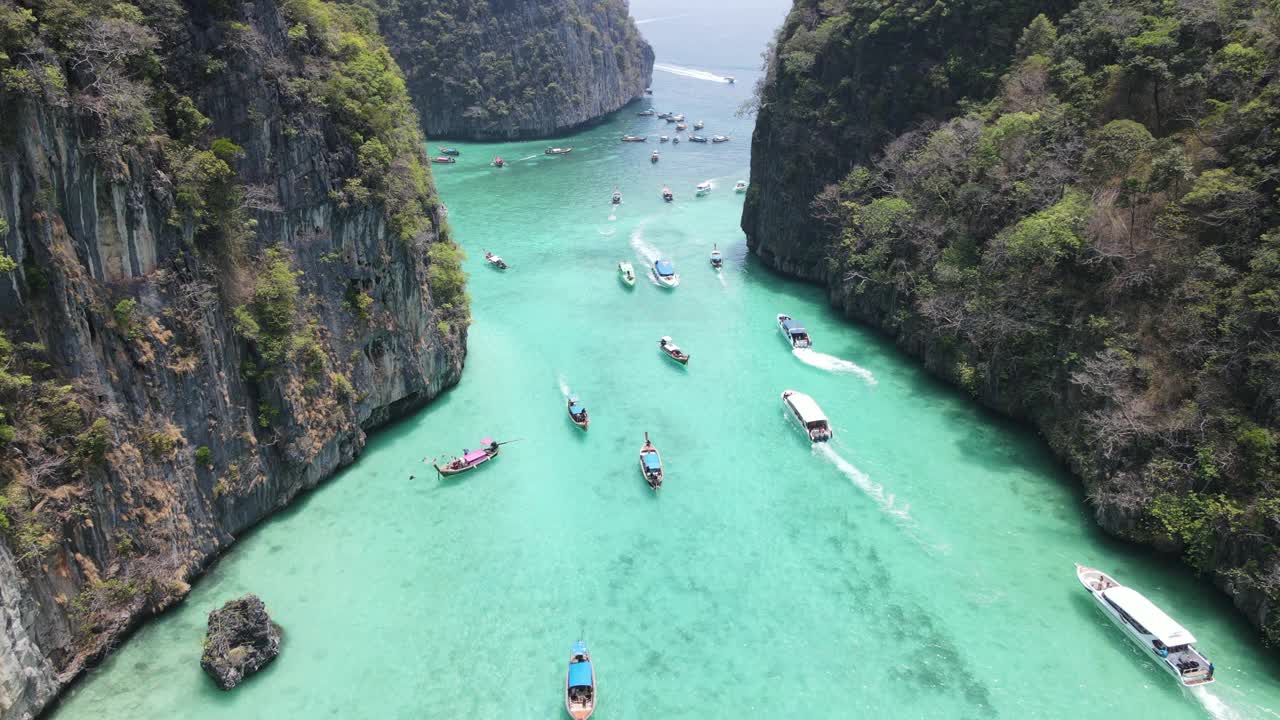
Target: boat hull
671, 282
447, 471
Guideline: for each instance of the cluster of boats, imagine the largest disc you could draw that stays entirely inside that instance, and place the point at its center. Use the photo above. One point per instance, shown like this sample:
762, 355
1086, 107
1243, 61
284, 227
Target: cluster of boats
679, 121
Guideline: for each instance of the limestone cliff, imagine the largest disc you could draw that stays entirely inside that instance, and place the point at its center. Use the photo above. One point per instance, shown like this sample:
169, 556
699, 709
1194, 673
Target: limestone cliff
502, 69
1072, 217
222, 263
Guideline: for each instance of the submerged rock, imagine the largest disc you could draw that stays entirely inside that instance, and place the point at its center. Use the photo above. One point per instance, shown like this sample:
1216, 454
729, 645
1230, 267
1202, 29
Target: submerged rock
241, 640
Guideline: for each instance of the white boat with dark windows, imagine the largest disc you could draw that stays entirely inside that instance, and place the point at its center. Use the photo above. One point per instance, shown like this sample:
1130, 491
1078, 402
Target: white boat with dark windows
1159, 636
740, 186
703, 188
806, 412
665, 273
794, 332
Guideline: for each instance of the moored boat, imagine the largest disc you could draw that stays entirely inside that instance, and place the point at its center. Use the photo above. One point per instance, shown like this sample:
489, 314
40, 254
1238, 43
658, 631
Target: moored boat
665, 273
681, 127
793, 332
808, 414
675, 140
578, 413
717, 260
671, 118
647, 113
449, 151
651, 463
667, 195
494, 260
444, 160
678, 118
664, 138
499, 162
470, 460
557, 151
673, 351
634, 138
626, 273
653, 156
699, 125
697, 139
580, 683
740, 186
719, 138
664, 115
1161, 638
617, 198
703, 188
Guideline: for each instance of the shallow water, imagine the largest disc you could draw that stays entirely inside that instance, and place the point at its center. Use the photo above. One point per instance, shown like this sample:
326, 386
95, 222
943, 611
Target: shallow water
919, 566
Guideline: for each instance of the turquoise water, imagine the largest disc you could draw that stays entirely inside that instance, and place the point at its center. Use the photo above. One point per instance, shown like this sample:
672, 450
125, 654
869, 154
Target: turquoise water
918, 567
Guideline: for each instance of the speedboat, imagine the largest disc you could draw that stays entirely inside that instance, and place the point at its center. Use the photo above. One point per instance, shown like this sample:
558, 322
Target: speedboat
675, 140
664, 116
719, 138
648, 91
578, 413
558, 151
626, 273
808, 414
617, 198
697, 138
704, 188
499, 162
664, 138
470, 460
647, 113
665, 273
633, 138
717, 260
678, 118
650, 463
667, 195
1160, 637
580, 684
673, 351
494, 260
653, 156
699, 125
740, 186
728, 79
671, 118
681, 127
444, 160
449, 151
793, 332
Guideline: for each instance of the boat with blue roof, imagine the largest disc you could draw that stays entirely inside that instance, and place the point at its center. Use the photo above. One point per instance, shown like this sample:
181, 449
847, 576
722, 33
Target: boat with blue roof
471, 459
578, 413
793, 332
665, 273
651, 464
580, 683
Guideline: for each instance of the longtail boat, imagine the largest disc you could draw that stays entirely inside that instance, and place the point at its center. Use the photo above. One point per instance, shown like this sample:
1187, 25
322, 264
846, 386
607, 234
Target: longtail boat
650, 464
578, 413
580, 683
471, 459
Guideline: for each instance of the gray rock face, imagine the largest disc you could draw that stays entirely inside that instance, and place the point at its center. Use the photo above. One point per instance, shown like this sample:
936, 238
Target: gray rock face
241, 640
125, 535
516, 68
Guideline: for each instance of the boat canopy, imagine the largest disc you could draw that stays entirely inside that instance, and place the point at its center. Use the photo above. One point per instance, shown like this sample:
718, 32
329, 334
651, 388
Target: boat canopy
580, 674
664, 268
806, 408
793, 327
473, 455
576, 409
486, 441
1145, 613
651, 461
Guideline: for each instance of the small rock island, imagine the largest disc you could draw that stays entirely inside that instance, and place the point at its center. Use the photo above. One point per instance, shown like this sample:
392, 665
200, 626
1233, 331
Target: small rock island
241, 640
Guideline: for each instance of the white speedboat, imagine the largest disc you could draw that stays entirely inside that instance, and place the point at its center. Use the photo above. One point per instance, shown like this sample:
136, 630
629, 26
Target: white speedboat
717, 260
617, 198
740, 186
664, 138
719, 138
808, 414
1160, 636
626, 273
699, 125
665, 273
667, 195
494, 260
793, 332
703, 188
653, 156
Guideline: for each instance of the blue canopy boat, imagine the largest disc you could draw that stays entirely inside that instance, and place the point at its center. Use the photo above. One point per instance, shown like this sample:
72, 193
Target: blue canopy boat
650, 463
793, 331
578, 413
450, 151
665, 273
471, 459
580, 683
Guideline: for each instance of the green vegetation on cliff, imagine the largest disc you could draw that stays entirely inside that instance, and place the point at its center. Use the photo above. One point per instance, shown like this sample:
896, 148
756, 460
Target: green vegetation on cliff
1095, 244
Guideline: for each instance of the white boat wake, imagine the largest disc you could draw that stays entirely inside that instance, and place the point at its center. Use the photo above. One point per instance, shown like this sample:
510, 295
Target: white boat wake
1215, 706
613, 216
646, 21
888, 504
564, 386
690, 73
642, 247
527, 158
720, 277
831, 363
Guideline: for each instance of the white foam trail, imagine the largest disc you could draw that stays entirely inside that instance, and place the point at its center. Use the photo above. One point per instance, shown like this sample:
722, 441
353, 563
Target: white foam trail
564, 386
888, 504
646, 21
1214, 705
642, 247
613, 216
607, 232
527, 158
690, 73
720, 277
831, 363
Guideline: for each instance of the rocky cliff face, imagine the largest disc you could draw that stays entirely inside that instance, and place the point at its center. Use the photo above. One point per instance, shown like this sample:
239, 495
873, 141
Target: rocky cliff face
222, 263
504, 69
1089, 243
